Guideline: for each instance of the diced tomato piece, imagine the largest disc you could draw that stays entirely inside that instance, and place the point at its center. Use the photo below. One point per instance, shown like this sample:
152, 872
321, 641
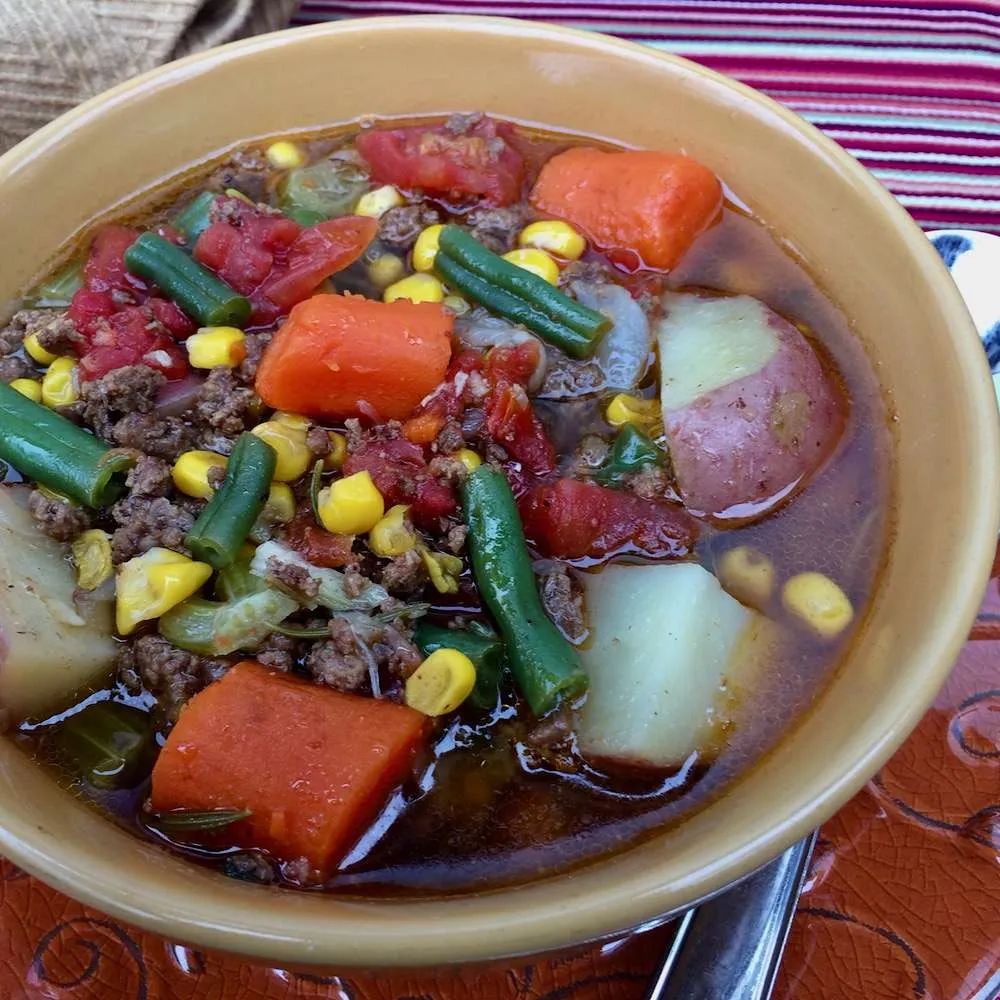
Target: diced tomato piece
105, 268
447, 402
242, 251
87, 307
481, 162
125, 338
317, 253
400, 474
176, 322
569, 519
510, 418
315, 545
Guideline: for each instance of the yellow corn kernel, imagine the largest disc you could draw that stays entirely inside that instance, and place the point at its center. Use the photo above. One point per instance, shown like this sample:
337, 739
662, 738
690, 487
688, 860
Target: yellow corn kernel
747, 574
284, 155
537, 262
338, 451
351, 506
456, 304
279, 508
392, 536
30, 387
92, 558
818, 603
557, 238
425, 249
59, 384
626, 409
36, 352
416, 288
468, 458
190, 472
443, 569
386, 269
441, 683
216, 346
151, 584
376, 203
236, 193
286, 434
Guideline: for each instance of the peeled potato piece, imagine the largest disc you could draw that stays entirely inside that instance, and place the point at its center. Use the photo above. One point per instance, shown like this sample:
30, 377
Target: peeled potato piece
668, 644
49, 647
748, 410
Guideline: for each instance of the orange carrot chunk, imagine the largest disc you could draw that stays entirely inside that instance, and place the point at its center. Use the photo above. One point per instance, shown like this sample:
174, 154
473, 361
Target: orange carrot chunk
642, 207
342, 356
312, 765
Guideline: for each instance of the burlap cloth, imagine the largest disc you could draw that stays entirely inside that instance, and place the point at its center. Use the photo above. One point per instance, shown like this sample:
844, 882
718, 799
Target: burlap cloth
56, 53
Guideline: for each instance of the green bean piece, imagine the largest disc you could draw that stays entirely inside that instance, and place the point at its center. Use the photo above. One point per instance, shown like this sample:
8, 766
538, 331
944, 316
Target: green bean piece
480, 644
53, 451
463, 249
193, 820
203, 296
631, 452
321, 191
315, 488
58, 291
109, 745
545, 666
193, 219
222, 527
510, 307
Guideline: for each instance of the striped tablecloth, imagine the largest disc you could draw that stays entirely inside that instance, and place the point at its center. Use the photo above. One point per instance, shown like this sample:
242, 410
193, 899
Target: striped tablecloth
911, 89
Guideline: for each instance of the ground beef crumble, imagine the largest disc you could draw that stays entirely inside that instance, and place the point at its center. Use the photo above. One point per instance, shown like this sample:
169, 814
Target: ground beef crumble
455, 539
278, 652
57, 518
149, 477
124, 392
562, 602
450, 439
170, 674
59, 336
405, 574
318, 442
163, 437
292, 578
497, 228
339, 661
401, 226
222, 406
255, 344
23, 322
146, 522
16, 366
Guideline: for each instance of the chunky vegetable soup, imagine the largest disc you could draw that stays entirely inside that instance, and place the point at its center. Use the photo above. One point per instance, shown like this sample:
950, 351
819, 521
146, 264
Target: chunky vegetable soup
428, 507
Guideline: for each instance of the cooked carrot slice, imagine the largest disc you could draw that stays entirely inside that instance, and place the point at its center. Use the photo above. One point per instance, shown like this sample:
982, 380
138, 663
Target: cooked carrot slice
343, 356
643, 207
312, 766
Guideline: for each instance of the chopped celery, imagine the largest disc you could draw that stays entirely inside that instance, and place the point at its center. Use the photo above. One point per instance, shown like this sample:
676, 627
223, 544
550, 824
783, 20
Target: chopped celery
57, 291
322, 191
331, 594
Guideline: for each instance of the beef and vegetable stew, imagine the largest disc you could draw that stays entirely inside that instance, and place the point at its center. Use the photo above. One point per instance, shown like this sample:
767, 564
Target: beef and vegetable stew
425, 507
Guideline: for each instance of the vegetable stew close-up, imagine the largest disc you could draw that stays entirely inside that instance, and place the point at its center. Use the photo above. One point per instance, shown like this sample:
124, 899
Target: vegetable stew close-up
428, 507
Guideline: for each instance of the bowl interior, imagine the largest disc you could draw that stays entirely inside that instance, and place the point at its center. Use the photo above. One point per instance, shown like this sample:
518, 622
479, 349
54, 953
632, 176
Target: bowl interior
863, 248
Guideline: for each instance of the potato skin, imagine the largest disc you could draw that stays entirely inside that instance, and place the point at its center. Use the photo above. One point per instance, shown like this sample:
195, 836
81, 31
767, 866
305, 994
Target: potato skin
741, 449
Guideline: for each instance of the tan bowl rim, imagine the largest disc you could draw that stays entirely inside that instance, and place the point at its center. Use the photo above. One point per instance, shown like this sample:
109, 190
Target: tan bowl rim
178, 916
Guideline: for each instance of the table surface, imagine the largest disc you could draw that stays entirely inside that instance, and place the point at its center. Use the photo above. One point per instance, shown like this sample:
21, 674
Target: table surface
901, 900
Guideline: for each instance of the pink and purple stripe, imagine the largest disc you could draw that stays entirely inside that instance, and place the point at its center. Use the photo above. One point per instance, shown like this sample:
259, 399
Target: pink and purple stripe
911, 89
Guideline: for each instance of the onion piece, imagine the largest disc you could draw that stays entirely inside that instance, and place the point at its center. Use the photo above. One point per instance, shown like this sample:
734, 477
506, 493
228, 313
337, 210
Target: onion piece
177, 397
625, 351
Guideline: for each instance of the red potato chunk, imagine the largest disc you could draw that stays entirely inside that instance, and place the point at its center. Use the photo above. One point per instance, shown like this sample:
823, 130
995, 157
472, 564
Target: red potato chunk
748, 409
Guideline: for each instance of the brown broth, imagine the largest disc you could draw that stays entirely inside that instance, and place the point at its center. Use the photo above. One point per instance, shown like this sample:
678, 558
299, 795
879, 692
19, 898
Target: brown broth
477, 816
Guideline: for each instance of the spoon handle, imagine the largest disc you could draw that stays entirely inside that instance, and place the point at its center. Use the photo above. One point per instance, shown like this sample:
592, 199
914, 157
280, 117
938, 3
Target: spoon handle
731, 945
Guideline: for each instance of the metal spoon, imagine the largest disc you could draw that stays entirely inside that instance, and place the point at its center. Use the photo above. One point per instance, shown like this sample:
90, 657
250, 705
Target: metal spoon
730, 947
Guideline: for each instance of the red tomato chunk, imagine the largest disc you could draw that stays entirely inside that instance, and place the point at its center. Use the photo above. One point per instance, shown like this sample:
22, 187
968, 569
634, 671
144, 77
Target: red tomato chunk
569, 519
480, 161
